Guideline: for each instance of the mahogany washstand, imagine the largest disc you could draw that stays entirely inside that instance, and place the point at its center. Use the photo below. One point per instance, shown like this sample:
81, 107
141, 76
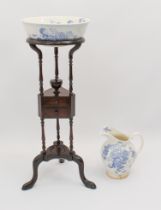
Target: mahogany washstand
57, 102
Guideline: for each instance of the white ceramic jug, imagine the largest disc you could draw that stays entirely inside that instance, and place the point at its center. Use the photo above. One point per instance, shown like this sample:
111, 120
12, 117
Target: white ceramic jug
119, 153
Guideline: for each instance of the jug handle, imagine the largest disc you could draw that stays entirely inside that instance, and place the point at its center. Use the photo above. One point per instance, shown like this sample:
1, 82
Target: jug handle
136, 134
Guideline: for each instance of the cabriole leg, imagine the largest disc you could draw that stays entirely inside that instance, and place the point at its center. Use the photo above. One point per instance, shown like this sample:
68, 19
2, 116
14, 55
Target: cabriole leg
37, 160
80, 163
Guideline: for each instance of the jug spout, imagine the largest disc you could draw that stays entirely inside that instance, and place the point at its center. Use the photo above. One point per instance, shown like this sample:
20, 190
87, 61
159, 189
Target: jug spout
106, 130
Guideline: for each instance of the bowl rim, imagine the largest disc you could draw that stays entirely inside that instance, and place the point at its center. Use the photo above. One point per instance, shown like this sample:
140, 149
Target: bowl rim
28, 20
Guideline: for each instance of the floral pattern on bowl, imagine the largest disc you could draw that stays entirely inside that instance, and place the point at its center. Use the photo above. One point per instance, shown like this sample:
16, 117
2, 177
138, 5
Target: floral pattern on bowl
55, 27
53, 34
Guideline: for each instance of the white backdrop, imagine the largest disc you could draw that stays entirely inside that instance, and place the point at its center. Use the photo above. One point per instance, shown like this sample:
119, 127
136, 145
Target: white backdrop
117, 81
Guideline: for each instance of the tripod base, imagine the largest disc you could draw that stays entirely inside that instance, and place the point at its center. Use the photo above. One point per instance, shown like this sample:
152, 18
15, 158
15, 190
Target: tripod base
61, 152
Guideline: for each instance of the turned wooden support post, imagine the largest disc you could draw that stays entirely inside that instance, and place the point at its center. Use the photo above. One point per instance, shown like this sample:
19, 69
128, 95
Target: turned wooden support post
56, 63
56, 84
71, 134
71, 52
38, 51
43, 135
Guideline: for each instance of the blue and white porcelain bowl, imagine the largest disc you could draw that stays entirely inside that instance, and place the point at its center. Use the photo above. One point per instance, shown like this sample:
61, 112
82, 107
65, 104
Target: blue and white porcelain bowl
55, 27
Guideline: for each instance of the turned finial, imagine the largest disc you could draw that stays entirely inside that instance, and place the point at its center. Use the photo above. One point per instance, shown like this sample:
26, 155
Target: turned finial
56, 84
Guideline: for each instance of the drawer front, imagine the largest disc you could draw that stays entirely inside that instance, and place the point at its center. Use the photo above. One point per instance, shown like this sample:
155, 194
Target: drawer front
52, 112
54, 102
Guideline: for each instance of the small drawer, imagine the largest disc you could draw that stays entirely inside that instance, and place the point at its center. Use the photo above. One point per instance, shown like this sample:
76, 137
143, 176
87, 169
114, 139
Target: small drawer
52, 112
51, 102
